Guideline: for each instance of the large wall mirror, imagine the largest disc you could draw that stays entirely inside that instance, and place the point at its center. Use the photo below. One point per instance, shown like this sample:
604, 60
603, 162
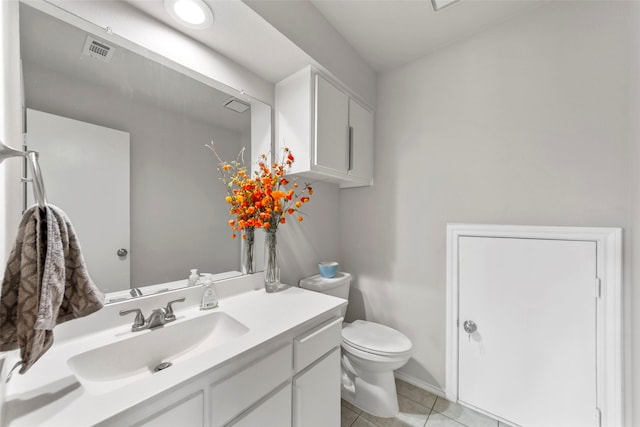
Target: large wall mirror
122, 142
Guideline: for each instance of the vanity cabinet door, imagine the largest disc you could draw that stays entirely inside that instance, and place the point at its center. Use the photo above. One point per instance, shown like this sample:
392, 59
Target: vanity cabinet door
188, 412
273, 412
316, 393
248, 386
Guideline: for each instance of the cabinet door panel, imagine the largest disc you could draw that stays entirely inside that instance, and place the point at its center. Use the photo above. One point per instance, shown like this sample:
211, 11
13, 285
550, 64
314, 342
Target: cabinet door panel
316, 396
332, 127
361, 121
240, 391
273, 412
188, 413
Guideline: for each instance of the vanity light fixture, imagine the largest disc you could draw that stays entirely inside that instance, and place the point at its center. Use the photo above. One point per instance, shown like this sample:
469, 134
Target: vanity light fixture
191, 13
440, 4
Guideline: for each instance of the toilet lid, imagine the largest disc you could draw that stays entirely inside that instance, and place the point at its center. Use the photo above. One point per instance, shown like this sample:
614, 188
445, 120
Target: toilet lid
375, 338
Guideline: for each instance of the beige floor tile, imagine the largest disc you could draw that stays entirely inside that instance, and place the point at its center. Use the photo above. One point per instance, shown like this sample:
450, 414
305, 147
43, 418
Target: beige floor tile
361, 422
438, 420
463, 415
351, 407
412, 414
347, 417
416, 394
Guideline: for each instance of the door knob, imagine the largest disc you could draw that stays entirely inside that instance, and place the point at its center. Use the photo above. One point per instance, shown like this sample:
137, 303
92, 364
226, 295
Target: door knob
469, 326
122, 252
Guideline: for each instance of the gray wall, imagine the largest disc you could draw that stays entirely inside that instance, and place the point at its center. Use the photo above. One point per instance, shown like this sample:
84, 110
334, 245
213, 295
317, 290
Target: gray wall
525, 123
178, 214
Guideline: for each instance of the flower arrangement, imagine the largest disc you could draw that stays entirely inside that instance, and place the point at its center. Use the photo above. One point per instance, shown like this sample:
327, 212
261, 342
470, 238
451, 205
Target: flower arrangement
262, 201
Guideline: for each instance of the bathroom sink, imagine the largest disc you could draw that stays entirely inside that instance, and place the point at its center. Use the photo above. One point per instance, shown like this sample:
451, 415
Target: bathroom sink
145, 353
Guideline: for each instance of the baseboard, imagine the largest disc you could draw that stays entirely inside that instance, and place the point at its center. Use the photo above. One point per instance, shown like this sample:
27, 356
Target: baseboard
420, 384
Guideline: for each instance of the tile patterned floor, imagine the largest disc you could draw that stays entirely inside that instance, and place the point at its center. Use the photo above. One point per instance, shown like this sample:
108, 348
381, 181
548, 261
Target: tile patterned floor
418, 408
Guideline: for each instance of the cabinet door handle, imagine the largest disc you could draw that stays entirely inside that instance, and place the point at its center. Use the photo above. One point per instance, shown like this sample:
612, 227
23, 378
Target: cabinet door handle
350, 148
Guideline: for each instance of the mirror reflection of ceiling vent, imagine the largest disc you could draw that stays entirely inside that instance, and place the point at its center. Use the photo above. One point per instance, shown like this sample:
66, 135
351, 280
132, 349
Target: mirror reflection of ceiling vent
236, 105
97, 49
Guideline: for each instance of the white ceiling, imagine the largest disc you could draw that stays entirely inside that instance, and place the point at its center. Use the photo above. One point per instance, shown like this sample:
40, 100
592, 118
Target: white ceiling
386, 33
239, 34
390, 33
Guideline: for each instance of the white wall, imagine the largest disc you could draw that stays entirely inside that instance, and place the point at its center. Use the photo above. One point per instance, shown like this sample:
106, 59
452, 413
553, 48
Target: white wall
10, 134
632, 295
302, 245
525, 123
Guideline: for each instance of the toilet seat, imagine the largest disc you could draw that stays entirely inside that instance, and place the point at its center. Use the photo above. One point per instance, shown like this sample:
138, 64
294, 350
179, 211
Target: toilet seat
374, 338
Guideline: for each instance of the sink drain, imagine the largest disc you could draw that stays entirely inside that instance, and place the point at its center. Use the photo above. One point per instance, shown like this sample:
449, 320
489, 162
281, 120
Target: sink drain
162, 366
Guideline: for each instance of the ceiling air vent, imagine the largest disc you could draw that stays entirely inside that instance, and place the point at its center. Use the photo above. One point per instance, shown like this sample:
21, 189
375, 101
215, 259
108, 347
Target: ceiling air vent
97, 49
236, 105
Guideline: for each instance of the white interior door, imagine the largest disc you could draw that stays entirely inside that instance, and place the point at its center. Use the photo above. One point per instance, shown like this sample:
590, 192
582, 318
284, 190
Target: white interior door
86, 173
532, 359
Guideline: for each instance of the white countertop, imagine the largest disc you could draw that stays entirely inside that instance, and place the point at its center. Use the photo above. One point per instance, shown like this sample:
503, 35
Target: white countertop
49, 394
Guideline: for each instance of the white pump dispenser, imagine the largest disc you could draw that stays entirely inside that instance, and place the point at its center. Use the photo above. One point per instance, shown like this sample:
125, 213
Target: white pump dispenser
209, 297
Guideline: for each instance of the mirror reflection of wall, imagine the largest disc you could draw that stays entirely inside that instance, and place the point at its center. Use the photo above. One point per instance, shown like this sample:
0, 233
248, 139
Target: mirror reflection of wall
178, 217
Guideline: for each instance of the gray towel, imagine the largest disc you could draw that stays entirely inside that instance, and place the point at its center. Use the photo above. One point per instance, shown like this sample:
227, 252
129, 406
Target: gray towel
45, 283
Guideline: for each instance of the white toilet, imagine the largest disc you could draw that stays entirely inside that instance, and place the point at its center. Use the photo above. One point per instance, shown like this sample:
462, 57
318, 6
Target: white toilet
370, 354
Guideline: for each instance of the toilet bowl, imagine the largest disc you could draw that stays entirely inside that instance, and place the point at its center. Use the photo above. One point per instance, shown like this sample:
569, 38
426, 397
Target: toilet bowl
370, 354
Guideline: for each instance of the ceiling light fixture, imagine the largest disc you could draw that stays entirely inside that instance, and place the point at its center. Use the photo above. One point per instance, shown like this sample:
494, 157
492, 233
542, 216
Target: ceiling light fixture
191, 13
441, 4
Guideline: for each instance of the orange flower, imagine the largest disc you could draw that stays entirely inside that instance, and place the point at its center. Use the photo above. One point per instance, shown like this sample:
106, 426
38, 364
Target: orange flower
262, 199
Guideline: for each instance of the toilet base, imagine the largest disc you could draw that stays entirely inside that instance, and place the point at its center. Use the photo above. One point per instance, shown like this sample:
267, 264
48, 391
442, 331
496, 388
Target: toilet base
374, 393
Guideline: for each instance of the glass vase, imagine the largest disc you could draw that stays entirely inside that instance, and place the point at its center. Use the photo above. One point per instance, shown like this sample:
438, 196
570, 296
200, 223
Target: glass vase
271, 267
248, 264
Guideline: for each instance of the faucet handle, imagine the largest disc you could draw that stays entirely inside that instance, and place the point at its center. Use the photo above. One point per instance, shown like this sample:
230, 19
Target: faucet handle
169, 316
138, 321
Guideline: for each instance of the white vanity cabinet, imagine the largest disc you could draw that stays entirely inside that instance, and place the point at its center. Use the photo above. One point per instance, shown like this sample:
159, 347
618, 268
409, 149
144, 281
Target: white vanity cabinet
284, 370
329, 132
316, 384
293, 381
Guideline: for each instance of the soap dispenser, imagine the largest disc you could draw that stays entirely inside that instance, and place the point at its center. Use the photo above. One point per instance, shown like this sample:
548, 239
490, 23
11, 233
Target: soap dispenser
194, 277
209, 297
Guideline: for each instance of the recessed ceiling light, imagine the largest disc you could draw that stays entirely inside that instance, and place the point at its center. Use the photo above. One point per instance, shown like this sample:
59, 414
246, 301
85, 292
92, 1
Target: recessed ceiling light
439, 4
191, 13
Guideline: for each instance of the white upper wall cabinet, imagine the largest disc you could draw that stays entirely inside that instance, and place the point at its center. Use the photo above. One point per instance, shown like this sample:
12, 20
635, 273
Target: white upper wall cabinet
329, 132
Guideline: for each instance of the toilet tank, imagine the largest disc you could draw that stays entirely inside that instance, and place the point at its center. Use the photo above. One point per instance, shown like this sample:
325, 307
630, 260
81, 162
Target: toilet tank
338, 286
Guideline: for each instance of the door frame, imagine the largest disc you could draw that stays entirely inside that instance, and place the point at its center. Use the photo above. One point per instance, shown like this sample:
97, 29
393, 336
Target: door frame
609, 344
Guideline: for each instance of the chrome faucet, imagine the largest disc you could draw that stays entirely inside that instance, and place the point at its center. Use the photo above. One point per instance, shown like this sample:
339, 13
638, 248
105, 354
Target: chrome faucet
158, 317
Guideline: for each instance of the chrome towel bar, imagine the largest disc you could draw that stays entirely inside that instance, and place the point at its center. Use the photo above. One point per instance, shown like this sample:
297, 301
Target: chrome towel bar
34, 167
